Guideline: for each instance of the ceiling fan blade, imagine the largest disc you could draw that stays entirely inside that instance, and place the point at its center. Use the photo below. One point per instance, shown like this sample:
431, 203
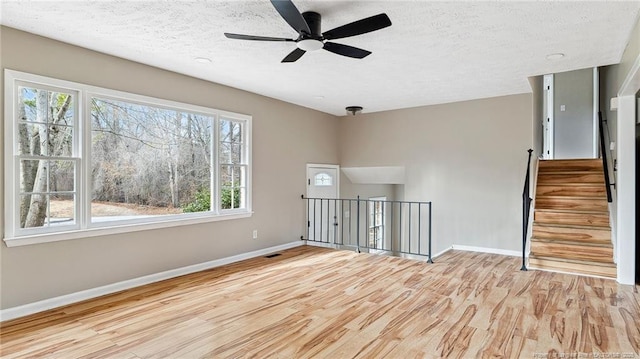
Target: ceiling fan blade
363, 26
346, 50
294, 55
256, 38
291, 15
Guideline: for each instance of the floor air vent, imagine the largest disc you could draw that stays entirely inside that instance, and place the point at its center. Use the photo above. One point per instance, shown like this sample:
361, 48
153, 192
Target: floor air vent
272, 255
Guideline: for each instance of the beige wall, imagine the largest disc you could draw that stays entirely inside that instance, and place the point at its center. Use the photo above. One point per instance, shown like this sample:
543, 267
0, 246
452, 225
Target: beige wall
469, 158
612, 77
630, 54
36, 272
365, 191
573, 127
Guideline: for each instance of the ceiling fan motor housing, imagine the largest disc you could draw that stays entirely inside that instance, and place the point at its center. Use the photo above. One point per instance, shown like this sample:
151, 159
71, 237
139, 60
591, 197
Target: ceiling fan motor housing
314, 20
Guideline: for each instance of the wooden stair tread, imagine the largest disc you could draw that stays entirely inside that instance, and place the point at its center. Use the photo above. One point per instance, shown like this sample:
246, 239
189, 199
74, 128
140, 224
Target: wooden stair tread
547, 172
574, 226
603, 244
571, 251
608, 270
570, 177
572, 218
570, 197
570, 165
571, 203
583, 190
576, 251
570, 234
571, 184
560, 210
575, 261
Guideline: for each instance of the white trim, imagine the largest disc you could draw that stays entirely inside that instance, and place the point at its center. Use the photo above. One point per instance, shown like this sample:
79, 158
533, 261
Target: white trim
321, 244
625, 187
84, 226
116, 229
626, 179
455, 247
504, 252
548, 145
596, 108
337, 247
46, 304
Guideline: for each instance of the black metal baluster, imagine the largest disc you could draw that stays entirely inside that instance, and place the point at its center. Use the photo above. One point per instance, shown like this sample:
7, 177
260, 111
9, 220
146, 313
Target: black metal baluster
384, 225
358, 225
308, 220
391, 229
400, 226
410, 226
419, 225
430, 257
335, 220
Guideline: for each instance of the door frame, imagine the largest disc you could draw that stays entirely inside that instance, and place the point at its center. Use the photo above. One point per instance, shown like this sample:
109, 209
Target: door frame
596, 109
320, 165
626, 178
548, 112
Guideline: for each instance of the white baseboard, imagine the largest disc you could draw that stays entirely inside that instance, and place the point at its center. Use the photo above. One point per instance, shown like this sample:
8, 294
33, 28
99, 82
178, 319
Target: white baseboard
442, 252
504, 252
46, 304
320, 244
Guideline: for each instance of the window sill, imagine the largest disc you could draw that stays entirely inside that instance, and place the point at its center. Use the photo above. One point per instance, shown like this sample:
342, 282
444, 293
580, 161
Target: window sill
117, 229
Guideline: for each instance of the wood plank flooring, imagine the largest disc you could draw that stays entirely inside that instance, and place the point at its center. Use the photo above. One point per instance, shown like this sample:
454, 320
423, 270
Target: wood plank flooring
314, 302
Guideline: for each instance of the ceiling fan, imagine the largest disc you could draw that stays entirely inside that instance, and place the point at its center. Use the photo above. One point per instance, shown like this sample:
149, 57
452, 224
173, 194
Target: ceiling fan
307, 24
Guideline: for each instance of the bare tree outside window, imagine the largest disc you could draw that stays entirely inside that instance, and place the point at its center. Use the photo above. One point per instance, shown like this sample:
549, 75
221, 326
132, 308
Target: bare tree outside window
82, 157
147, 158
47, 169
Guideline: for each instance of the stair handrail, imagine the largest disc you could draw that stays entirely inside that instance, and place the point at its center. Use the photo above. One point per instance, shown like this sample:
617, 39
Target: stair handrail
526, 209
603, 154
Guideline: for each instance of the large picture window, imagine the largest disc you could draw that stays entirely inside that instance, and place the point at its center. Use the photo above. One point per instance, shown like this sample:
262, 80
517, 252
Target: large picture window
84, 159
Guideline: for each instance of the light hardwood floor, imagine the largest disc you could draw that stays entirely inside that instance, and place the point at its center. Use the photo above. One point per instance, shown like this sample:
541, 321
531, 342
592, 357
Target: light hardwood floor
323, 303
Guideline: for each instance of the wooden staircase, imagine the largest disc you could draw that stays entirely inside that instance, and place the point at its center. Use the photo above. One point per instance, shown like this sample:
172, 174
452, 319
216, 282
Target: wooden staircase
571, 231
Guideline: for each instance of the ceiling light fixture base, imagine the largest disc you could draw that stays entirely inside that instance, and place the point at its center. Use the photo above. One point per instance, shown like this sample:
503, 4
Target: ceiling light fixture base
353, 110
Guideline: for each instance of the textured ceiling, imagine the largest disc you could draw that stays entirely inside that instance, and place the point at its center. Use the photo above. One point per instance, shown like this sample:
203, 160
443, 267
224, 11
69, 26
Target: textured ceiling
435, 52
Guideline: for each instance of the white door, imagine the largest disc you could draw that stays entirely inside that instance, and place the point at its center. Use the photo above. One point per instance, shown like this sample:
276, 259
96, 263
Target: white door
322, 190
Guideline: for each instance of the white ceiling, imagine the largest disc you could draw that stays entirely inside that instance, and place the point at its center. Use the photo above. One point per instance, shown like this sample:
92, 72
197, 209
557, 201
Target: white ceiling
435, 52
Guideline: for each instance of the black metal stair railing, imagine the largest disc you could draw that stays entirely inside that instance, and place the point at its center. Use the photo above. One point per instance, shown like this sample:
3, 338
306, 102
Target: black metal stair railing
526, 210
603, 155
376, 226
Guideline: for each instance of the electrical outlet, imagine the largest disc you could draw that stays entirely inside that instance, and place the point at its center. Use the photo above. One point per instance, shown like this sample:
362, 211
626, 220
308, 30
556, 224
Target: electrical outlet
255, 234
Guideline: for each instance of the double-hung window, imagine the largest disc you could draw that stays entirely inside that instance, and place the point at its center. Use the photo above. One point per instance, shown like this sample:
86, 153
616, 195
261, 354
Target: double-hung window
82, 161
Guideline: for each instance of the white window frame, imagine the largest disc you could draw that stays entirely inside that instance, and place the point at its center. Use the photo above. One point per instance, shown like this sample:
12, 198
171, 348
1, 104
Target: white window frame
16, 236
371, 212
